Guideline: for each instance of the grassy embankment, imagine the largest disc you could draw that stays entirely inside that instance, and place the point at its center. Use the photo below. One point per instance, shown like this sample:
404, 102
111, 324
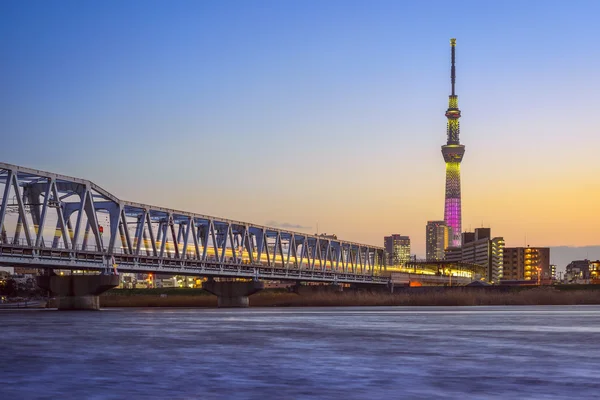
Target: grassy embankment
453, 297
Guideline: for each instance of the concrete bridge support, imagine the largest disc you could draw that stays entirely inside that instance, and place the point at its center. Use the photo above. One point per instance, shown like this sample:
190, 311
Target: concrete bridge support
78, 292
232, 293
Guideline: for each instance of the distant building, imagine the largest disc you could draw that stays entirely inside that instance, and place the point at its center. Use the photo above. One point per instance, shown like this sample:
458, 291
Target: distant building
583, 269
524, 263
453, 254
552, 271
479, 248
437, 236
483, 233
397, 249
468, 237
579, 269
595, 269
497, 259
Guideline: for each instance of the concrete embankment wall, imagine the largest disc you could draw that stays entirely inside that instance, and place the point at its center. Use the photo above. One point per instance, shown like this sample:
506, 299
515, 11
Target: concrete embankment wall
419, 296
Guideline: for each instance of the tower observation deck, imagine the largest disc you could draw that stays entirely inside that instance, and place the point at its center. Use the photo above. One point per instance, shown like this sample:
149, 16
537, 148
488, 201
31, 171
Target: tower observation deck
453, 153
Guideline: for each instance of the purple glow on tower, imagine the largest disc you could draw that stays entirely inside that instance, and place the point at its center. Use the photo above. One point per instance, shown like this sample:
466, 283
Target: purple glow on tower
452, 209
453, 153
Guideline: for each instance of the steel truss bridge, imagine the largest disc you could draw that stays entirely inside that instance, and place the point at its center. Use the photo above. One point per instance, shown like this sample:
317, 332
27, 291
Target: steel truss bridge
58, 222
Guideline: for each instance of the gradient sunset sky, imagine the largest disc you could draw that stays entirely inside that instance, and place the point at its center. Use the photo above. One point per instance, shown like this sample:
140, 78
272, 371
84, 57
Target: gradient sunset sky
306, 112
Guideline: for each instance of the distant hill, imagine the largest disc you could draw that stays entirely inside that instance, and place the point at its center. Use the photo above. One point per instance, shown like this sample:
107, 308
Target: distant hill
563, 255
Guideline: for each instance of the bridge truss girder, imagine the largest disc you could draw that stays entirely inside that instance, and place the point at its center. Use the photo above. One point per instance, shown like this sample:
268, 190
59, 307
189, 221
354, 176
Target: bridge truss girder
45, 215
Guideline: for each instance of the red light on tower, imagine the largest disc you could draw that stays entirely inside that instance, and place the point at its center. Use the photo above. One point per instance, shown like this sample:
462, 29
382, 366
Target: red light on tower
101, 229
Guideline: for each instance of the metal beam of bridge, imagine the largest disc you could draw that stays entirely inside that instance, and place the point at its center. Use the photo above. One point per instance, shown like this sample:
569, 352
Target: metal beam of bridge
54, 221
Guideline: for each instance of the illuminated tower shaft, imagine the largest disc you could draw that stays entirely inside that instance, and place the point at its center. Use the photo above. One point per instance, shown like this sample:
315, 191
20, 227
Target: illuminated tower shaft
453, 153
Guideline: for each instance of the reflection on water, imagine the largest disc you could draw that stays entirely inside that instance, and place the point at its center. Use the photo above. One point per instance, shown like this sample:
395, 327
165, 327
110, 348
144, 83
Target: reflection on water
351, 353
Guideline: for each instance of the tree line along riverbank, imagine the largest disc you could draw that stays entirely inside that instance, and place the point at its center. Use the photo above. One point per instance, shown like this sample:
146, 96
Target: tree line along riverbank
424, 296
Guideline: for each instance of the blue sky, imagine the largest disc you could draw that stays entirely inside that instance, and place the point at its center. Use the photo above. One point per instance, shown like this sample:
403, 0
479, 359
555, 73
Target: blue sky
314, 111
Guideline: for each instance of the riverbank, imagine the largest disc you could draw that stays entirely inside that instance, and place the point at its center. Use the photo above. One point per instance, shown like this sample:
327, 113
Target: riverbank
455, 297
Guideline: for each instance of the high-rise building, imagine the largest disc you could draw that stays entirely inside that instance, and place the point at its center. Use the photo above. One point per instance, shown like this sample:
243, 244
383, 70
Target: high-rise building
552, 271
483, 233
397, 249
526, 263
497, 259
453, 153
480, 248
436, 240
468, 237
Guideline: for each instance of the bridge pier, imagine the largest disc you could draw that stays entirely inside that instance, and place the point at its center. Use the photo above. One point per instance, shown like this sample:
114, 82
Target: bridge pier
232, 293
78, 292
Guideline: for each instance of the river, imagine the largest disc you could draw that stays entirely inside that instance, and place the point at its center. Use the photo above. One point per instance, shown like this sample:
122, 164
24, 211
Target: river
541, 352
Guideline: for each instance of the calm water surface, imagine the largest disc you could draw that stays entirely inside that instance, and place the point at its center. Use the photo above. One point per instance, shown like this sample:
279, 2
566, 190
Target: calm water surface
302, 353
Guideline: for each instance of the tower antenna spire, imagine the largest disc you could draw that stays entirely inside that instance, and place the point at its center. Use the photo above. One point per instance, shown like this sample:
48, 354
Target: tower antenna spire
453, 69
453, 153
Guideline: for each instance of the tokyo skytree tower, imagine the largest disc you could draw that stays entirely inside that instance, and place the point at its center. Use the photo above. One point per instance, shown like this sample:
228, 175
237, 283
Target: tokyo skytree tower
453, 153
